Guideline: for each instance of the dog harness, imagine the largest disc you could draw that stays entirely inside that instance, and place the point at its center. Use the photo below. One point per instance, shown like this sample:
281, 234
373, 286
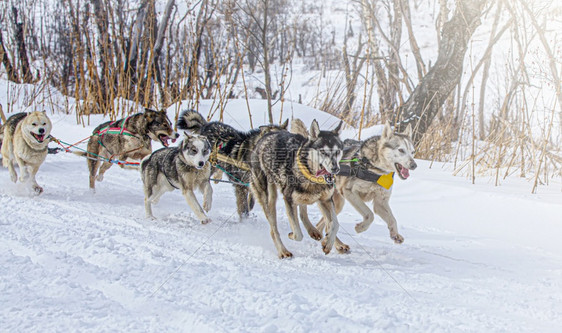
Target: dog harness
357, 168
113, 129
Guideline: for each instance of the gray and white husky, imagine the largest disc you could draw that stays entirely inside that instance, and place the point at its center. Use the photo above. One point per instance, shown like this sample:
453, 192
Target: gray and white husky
370, 177
302, 168
184, 167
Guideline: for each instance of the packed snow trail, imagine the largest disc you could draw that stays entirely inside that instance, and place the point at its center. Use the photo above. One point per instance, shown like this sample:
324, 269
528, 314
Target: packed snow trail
476, 258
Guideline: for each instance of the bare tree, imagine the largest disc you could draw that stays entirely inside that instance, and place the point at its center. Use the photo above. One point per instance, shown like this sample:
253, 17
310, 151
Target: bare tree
428, 96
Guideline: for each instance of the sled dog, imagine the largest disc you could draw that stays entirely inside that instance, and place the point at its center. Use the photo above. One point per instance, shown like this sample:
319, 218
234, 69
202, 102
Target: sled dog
370, 176
236, 146
183, 167
26, 136
129, 137
302, 168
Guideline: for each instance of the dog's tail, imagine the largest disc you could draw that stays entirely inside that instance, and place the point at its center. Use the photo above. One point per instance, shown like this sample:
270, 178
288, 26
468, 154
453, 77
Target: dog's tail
191, 120
298, 127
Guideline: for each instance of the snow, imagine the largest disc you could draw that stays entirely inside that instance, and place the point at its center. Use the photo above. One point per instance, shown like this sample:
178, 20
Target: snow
476, 258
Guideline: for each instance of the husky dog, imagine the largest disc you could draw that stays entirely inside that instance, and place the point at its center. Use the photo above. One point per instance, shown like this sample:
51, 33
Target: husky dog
26, 136
235, 146
184, 167
370, 178
302, 169
127, 138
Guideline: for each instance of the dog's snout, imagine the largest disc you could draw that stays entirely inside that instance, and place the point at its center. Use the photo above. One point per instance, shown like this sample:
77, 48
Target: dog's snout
413, 165
201, 164
41, 130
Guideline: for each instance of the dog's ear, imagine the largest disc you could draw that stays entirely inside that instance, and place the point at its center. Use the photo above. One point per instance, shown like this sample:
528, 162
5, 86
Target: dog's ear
314, 129
408, 131
386, 131
285, 125
337, 130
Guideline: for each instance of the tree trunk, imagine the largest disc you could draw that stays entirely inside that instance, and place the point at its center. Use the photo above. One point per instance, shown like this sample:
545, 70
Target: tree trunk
266, 71
12, 74
27, 77
424, 103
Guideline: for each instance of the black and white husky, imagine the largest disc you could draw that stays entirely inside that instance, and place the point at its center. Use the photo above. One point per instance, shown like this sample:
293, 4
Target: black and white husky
184, 167
302, 168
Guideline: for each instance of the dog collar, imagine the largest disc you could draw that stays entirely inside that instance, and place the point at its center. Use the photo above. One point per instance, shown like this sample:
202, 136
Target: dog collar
304, 170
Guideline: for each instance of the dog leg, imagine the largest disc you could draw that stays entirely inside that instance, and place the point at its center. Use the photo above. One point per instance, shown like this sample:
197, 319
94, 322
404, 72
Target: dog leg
267, 197
296, 233
312, 231
359, 205
12, 169
271, 214
242, 206
207, 196
382, 209
195, 207
32, 172
329, 211
93, 163
339, 202
24, 173
104, 167
152, 194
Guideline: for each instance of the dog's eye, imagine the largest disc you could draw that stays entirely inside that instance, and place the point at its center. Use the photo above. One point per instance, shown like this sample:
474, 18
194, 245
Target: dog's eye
44, 124
34, 124
193, 151
402, 151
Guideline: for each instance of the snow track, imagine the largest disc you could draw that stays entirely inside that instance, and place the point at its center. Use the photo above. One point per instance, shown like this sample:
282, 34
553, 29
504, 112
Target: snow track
476, 258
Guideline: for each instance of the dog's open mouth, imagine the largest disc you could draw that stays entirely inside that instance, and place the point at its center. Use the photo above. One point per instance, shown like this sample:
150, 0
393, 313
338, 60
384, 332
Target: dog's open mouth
328, 177
403, 172
164, 139
39, 137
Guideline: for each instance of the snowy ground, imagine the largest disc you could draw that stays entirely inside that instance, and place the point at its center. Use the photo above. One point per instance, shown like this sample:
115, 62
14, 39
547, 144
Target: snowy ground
476, 258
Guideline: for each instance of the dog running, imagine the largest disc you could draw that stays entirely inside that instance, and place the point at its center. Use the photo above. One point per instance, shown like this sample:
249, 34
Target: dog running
302, 168
369, 177
185, 168
233, 149
25, 140
129, 137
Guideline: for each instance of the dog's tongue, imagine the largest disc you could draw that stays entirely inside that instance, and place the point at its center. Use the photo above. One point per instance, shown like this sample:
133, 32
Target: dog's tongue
165, 139
322, 172
40, 137
405, 172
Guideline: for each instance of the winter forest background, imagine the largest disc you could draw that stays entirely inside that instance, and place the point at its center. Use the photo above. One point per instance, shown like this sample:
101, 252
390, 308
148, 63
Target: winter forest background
479, 80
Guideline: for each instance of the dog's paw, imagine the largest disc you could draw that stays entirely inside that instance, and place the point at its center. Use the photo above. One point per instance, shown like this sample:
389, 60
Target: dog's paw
14, 178
37, 189
207, 205
360, 227
397, 238
297, 238
99, 178
285, 254
315, 234
151, 217
325, 246
342, 248
206, 221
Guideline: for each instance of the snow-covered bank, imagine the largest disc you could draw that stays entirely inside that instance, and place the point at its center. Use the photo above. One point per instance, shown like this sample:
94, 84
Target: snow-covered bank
476, 258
